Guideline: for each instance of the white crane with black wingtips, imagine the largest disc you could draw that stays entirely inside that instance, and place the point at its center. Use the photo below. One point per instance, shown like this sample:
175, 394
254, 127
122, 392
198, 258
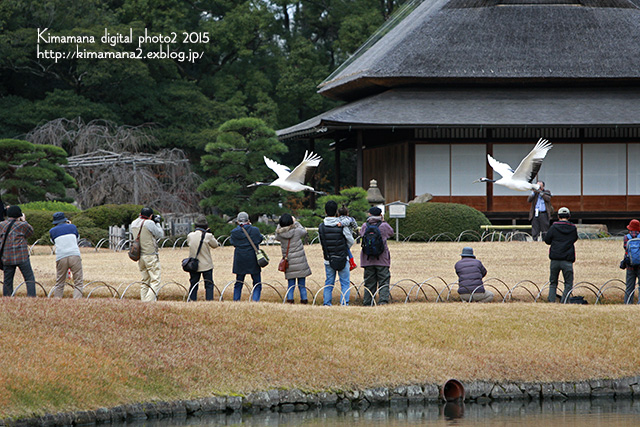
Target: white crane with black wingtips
522, 178
290, 180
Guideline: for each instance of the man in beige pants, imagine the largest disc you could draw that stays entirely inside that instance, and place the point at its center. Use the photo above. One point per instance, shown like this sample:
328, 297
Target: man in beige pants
149, 263
65, 237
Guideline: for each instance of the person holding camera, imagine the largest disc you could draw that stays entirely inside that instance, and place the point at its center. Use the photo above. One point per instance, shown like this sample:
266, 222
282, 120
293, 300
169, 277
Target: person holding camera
561, 239
65, 239
633, 271
540, 211
14, 232
147, 227
201, 239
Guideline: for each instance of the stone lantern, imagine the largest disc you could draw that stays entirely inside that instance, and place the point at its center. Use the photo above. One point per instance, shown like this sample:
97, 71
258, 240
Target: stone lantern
374, 196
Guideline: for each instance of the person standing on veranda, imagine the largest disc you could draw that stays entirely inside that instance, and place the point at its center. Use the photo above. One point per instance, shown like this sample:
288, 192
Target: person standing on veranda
540, 211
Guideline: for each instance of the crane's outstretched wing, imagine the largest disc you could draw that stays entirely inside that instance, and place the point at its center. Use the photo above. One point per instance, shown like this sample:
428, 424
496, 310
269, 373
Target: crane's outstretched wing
502, 168
530, 165
310, 161
280, 170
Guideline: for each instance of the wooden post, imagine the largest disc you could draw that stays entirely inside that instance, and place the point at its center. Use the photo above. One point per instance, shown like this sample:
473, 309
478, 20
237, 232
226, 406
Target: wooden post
312, 196
337, 169
359, 159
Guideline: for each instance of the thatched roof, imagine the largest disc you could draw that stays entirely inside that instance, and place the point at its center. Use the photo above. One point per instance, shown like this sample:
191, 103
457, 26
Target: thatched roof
489, 41
482, 107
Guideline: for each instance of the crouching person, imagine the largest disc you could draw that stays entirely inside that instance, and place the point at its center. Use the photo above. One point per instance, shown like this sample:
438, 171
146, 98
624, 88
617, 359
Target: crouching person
470, 272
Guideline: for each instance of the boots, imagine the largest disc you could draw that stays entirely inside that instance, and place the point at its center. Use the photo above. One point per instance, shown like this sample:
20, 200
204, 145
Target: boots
304, 301
352, 264
289, 301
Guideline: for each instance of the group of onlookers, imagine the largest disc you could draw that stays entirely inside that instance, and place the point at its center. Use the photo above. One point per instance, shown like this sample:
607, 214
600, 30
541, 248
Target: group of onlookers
336, 234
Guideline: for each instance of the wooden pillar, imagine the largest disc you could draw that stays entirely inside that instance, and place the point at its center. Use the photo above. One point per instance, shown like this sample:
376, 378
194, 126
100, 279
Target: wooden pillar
489, 171
337, 169
312, 197
359, 158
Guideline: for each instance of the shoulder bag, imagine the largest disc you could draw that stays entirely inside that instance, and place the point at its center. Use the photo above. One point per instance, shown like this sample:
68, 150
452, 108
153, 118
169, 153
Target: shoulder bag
284, 262
134, 249
261, 255
6, 234
190, 265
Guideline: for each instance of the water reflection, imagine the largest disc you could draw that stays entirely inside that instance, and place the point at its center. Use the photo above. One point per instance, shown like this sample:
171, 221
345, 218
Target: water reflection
582, 413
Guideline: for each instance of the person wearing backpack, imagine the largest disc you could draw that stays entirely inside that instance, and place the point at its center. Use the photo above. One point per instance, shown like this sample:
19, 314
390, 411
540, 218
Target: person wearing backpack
335, 241
631, 244
561, 239
375, 257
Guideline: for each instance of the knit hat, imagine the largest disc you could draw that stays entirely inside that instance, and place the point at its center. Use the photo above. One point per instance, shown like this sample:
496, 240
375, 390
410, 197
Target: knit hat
242, 218
634, 225
14, 211
375, 211
201, 222
59, 218
467, 251
564, 212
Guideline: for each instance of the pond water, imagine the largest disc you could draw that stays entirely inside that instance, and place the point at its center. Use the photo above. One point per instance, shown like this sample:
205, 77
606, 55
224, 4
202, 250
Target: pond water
583, 413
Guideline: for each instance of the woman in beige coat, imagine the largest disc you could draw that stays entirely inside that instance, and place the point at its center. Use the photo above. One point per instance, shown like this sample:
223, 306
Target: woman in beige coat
205, 263
290, 233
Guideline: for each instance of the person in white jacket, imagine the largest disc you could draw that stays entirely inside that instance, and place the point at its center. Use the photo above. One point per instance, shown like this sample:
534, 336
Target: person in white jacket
205, 262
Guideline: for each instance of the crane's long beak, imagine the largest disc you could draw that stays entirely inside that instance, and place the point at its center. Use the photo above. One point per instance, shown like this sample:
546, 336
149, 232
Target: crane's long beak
477, 180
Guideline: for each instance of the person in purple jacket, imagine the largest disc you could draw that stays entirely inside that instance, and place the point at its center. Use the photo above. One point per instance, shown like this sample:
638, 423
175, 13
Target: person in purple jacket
470, 272
65, 238
376, 266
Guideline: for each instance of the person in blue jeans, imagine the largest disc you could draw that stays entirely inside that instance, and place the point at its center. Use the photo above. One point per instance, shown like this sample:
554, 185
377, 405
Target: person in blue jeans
14, 232
290, 234
336, 241
633, 272
244, 256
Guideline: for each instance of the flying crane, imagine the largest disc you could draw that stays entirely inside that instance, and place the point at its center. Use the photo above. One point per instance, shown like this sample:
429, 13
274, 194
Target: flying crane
522, 178
292, 180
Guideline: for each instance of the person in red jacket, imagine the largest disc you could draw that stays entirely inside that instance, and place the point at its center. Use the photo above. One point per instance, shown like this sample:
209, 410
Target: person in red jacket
633, 271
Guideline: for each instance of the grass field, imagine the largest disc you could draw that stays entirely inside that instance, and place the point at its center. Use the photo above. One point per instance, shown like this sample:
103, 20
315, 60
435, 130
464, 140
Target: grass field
507, 263
62, 355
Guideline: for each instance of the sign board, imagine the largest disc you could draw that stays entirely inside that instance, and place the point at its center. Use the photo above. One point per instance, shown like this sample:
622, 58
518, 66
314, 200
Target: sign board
397, 210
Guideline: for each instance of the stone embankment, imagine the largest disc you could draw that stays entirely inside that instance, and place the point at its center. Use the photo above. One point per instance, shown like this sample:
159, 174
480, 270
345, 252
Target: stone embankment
297, 400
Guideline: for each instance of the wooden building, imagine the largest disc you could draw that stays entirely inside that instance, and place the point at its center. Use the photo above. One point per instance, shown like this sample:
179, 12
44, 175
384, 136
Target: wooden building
456, 80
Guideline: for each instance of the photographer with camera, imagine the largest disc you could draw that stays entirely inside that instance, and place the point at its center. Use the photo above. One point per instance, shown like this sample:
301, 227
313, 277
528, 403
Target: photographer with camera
148, 227
631, 259
14, 250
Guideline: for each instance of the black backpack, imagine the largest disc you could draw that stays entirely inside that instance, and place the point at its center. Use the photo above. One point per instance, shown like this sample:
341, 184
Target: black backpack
372, 244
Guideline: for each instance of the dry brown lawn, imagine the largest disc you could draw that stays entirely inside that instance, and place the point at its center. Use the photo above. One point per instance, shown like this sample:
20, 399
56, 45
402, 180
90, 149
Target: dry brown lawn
508, 264
62, 355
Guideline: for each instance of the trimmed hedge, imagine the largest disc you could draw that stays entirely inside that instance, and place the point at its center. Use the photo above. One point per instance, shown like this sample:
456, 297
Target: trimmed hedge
426, 220
108, 215
42, 222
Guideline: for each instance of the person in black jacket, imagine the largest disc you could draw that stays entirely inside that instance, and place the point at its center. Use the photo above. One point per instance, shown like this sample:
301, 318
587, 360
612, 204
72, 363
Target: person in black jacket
562, 252
336, 241
3, 210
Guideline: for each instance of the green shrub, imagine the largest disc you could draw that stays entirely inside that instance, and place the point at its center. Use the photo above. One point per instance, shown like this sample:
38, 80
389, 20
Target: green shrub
429, 219
41, 221
93, 234
83, 221
49, 207
107, 215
